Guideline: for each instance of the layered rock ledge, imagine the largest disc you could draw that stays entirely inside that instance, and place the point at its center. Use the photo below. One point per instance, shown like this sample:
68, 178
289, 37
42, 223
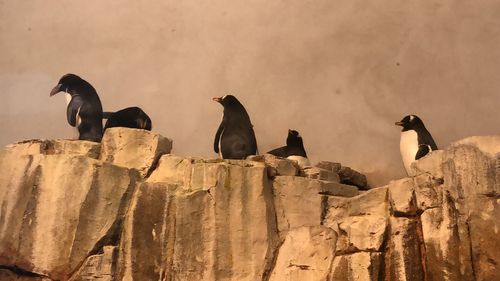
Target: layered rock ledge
126, 209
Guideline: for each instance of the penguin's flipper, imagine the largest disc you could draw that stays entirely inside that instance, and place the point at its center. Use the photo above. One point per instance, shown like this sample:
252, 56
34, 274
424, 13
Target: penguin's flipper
217, 137
280, 152
73, 110
423, 150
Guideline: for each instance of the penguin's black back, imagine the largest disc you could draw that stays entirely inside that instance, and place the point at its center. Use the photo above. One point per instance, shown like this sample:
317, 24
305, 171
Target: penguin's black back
424, 137
235, 134
130, 117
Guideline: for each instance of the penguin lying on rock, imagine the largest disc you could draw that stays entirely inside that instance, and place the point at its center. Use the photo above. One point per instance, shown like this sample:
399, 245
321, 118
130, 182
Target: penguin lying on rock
294, 146
84, 109
415, 142
294, 149
235, 138
130, 117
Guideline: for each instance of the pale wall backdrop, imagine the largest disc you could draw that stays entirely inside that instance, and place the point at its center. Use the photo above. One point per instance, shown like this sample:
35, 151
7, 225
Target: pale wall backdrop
340, 72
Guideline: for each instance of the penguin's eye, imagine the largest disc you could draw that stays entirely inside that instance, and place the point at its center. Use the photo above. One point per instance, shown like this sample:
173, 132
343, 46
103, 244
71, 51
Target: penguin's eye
412, 117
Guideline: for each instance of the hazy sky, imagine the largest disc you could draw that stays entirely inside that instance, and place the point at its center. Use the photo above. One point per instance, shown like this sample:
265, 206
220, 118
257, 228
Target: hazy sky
339, 72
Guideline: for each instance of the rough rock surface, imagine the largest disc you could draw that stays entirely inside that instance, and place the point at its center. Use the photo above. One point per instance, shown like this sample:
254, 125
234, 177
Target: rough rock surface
126, 210
134, 148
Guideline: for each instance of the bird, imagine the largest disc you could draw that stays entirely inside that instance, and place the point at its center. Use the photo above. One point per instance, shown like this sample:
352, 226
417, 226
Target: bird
415, 142
235, 137
130, 117
84, 108
294, 149
294, 146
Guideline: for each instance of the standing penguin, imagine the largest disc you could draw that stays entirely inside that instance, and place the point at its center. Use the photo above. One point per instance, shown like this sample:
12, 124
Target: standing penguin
416, 141
235, 138
294, 146
84, 107
130, 117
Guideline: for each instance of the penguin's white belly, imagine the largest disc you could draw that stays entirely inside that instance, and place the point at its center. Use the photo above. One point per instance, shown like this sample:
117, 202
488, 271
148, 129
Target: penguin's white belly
78, 119
301, 161
409, 147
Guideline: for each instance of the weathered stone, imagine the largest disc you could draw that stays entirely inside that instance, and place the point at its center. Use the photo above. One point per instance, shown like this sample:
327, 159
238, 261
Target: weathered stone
134, 148
447, 244
329, 166
98, 267
360, 233
146, 244
225, 232
489, 145
56, 208
7, 275
405, 258
300, 201
362, 266
428, 192
372, 202
277, 166
402, 197
483, 228
306, 254
430, 164
352, 177
49, 147
320, 174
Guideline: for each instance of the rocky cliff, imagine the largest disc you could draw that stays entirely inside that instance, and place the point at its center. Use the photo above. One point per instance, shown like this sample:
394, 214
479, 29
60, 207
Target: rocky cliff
125, 209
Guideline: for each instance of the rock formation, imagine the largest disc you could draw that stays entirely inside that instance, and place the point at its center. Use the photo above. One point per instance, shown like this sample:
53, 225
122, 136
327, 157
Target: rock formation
125, 209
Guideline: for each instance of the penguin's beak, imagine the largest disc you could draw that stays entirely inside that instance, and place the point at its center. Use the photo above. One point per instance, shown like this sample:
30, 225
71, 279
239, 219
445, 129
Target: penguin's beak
56, 90
217, 99
399, 123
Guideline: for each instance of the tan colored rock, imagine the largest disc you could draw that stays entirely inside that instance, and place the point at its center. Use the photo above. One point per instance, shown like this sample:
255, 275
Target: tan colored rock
352, 177
489, 145
329, 166
362, 266
98, 267
431, 164
306, 254
447, 244
189, 173
320, 174
55, 209
360, 233
224, 232
301, 202
7, 275
147, 237
402, 197
134, 148
484, 232
428, 192
405, 258
372, 202
49, 147
277, 166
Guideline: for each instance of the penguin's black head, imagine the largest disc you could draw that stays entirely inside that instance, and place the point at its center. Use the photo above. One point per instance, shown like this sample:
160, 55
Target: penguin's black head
69, 83
410, 122
228, 101
293, 138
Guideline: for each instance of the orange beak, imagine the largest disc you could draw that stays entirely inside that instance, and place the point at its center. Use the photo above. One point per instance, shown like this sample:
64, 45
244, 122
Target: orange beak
217, 99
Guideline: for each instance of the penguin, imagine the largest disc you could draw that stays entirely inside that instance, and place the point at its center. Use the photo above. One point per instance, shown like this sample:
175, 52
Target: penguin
235, 138
130, 117
84, 109
294, 146
415, 142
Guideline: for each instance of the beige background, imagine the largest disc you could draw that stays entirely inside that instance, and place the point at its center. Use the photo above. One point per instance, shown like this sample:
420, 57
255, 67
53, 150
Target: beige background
340, 72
